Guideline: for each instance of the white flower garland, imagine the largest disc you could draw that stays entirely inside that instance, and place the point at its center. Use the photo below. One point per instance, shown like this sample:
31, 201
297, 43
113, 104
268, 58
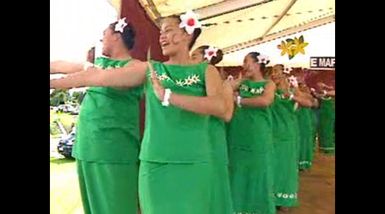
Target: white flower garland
189, 21
120, 25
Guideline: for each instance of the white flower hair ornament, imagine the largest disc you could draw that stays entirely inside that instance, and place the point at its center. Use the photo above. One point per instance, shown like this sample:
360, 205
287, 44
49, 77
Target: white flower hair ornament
293, 81
287, 70
189, 21
210, 52
120, 25
263, 59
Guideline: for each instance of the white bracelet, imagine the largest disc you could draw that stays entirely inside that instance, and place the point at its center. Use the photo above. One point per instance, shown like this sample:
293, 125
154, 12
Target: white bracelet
86, 65
325, 92
291, 96
239, 98
166, 98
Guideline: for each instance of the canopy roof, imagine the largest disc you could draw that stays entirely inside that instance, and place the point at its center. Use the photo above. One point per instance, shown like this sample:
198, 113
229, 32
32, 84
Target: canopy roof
234, 25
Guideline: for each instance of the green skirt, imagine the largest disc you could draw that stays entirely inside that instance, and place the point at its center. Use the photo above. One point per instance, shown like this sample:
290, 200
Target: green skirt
326, 127
306, 138
108, 188
221, 194
184, 188
285, 173
251, 184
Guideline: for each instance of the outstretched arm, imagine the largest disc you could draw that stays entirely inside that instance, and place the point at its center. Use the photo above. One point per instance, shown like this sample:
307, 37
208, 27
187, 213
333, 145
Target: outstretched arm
133, 74
302, 98
64, 67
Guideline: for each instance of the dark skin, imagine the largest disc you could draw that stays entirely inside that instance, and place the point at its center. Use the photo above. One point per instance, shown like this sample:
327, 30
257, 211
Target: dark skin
174, 42
253, 72
281, 80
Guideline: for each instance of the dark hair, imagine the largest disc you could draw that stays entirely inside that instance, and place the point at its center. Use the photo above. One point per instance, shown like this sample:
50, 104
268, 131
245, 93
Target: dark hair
195, 35
254, 56
215, 59
128, 35
91, 55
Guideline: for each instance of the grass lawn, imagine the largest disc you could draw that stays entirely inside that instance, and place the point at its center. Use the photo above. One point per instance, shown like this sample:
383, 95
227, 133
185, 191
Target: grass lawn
64, 189
66, 119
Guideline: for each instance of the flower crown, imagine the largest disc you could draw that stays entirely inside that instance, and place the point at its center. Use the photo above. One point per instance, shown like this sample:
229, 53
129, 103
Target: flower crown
293, 81
210, 52
189, 21
120, 25
287, 70
263, 59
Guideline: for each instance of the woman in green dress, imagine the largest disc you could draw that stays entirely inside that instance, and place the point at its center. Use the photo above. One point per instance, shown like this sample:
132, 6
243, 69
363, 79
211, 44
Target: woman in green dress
306, 127
285, 139
326, 118
250, 141
107, 138
221, 193
176, 170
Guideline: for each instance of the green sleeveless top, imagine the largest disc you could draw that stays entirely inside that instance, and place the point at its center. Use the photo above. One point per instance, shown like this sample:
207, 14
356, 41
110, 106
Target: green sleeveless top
108, 123
173, 134
250, 130
284, 117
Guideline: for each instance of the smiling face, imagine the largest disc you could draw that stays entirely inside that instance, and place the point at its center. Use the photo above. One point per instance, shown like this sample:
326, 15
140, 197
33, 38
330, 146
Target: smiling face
277, 74
173, 39
250, 66
110, 37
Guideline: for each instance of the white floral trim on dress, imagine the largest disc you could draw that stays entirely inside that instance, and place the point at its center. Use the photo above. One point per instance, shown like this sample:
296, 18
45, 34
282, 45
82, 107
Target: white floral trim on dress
305, 162
188, 81
257, 91
286, 195
245, 213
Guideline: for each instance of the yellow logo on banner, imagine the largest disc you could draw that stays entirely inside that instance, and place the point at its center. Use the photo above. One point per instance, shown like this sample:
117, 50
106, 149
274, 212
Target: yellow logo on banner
292, 47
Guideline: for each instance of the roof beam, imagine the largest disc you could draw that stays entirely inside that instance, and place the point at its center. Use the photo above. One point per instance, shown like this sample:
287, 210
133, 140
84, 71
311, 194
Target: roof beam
226, 7
151, 10
280, 17
277, 35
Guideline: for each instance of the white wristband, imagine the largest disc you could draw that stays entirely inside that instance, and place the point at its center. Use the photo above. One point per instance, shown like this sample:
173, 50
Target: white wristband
86, 65
166, 98
239, 98
325, 92
291, 96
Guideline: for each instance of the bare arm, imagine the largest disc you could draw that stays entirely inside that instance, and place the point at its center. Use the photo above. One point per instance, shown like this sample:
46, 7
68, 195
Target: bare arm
302, 99
64, 67
212, 104
315, 103
331, 93
264, 100
228, 95
131, 75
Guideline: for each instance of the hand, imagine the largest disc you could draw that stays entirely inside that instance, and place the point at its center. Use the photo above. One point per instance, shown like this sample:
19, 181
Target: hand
321, 85
156, 85
236, 94
287, 94
235, 83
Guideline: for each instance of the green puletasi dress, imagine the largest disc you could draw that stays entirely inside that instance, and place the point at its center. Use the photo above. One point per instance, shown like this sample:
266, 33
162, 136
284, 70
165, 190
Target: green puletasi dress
306, 137
326, 125
182, 166
250, 141
285, 141
314, 120
107, 147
